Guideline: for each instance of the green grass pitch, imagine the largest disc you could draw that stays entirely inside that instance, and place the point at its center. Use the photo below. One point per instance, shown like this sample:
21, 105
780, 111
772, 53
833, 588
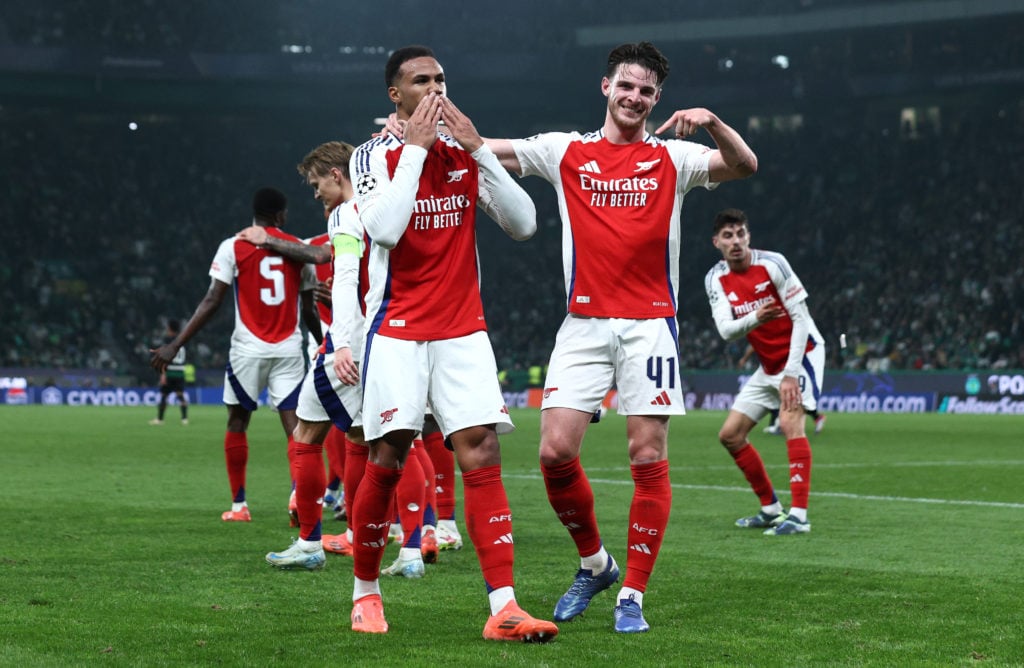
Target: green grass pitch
112, 552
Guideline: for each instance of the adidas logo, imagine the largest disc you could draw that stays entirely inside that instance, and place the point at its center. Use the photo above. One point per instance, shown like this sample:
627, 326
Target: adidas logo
572, 525
662, 400
511, 622
797, 478
641, 548
376, 543
506, 538
732, 297
590, 167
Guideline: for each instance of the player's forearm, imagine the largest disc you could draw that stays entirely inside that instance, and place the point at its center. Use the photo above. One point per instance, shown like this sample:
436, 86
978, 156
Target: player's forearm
798, 340
505, 153
731, 329
310, 316
735, 152
509, 205
299, 252
345, 312
386, 217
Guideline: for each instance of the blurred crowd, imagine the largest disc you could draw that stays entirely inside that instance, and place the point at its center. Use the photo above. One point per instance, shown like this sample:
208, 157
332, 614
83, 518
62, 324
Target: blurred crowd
909, 240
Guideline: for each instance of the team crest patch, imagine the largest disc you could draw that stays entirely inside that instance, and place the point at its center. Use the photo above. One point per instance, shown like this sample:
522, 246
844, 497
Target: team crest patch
365, 184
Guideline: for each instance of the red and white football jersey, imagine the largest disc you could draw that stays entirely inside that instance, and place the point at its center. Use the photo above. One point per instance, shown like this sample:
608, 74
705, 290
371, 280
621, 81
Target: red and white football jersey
428, 286
768, 280
266, 289
619, 205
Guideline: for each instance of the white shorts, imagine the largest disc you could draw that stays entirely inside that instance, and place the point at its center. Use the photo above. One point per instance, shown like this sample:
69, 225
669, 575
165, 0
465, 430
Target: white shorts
246, 376
323, 397
458, 377
760, 395
638, 357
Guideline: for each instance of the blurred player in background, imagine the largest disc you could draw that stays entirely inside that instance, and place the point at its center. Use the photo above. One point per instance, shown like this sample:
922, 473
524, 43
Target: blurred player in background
266, 345
427, 340
620, 191
756, 294
172, 378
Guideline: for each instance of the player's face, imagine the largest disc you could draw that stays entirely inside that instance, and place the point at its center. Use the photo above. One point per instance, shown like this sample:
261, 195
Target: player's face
632, 93
327, 187
734, 243
416, 79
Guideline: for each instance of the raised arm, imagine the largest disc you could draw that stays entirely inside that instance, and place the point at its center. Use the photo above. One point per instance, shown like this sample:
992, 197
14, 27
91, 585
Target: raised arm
386, 205
733, 159
501, 197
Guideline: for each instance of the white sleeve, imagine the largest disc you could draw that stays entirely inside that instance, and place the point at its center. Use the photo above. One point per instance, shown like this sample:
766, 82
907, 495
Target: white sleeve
345, 312
503, 199
729, 328
541, 155
692, 163
801, 318
386, 204
223, 267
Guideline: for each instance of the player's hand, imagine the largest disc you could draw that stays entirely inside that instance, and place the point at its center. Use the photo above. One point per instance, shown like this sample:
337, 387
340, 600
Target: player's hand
421, 128
322, 291
254, 234
789, 394
392, 125
460, 127
162, 356
344, 368
770, 312
687, 121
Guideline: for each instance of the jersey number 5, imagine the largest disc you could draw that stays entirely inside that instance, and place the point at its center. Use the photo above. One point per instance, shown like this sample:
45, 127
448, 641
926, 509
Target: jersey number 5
270, 270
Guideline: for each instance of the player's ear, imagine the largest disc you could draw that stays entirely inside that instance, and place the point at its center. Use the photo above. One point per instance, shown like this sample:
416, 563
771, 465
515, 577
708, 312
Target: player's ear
606, 86
394, 95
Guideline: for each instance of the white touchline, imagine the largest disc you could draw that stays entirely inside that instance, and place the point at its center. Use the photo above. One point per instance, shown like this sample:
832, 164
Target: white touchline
834, 495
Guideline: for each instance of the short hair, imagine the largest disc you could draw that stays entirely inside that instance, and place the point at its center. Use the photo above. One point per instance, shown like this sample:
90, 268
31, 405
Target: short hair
729, 217
268, 202
644, 54
325, 157
174, 325
399, 58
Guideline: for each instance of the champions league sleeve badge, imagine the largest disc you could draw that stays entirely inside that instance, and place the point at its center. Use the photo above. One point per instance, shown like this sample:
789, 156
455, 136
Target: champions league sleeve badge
365, 184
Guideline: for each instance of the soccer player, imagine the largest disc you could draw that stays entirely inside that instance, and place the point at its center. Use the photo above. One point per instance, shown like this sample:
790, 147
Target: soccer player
756, 294
266, 344
620, 190
331, 392
172, 379
427, 339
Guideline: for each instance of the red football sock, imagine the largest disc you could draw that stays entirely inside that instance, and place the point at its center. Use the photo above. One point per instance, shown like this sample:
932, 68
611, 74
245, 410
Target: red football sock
236, 455
573, 502
750, 462
310, 480
409, 499
334, 445
799, 450
430, 492
355, 464
291, 460
489, 524
374, 506
444, 474
648, 518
